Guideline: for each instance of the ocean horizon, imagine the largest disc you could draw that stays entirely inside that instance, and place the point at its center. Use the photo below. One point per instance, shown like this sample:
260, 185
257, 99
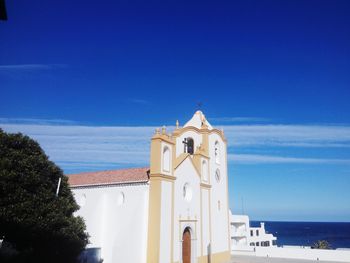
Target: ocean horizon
297, 233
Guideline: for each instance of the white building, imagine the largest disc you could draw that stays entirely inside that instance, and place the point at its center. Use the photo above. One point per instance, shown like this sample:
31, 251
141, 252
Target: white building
174, 211
259, 237
244, 237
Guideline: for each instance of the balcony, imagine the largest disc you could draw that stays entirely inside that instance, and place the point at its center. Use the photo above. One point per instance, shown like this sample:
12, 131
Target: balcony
239, 234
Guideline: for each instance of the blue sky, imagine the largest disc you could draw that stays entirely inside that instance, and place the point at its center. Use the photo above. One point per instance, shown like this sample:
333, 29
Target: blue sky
91, 80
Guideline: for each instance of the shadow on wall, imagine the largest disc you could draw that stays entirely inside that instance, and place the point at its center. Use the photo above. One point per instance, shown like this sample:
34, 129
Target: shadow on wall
209, 253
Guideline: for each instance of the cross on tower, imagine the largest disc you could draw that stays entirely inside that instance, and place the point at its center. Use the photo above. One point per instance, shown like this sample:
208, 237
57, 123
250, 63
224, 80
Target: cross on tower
199, 105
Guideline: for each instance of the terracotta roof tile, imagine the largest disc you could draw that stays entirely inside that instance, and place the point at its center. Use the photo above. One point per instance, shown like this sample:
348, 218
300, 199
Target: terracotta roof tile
109, 177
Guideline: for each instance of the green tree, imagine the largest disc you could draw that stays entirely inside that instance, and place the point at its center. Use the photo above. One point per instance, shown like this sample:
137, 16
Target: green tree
322, 244
36, 225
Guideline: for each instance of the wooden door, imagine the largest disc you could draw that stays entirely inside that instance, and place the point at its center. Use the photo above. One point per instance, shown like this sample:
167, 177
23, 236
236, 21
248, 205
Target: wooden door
186, 246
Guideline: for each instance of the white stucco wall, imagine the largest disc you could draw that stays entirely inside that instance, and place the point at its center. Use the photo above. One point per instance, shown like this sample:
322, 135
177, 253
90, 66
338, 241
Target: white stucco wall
219, 190
119, 228
186, 213
205, 221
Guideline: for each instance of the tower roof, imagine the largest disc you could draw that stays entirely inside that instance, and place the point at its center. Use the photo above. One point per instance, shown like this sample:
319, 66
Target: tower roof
198, 120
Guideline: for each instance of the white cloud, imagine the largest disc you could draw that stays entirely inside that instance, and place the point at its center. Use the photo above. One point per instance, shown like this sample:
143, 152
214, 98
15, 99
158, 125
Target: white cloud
81, 145
237, 119
30, 67
288, 135
36, 121
256, 158
84, 147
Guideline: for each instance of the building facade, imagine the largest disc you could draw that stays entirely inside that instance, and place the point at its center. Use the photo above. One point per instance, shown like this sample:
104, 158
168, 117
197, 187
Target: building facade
174, 211
245, 237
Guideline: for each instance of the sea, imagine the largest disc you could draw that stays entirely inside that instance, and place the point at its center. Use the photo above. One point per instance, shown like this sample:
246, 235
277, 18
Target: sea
307, 233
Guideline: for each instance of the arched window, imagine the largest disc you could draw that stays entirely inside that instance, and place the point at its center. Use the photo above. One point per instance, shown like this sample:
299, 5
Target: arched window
166, 159
187, 192
120, 199
205, 171
189, 145
82, 200
217, 152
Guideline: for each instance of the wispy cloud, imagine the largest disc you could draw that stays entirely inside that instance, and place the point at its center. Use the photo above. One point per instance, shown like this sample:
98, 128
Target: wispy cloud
256, 159
37, 121
88, 147
30, 67
237, 120
288, 135
84, 147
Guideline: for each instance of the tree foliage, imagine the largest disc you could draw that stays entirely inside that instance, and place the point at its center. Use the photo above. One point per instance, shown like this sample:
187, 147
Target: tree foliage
322, 244
36, 225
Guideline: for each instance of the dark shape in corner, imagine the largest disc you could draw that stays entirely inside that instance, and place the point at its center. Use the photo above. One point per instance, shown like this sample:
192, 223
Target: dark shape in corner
3, 14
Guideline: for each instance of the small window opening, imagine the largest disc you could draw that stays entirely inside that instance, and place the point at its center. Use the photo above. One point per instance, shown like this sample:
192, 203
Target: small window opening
188, 145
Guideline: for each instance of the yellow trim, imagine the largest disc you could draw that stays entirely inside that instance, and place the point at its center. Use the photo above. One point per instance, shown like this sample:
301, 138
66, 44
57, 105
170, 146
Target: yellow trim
156, 156
201, 204
182, 130
221, 257
180, 159
228, 206
210, 238
205, 141
206, 186
153, 242
158, 176
188, 220
172, 222
163, 137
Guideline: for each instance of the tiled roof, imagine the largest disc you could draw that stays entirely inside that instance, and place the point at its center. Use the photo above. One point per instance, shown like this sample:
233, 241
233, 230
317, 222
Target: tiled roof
132, 175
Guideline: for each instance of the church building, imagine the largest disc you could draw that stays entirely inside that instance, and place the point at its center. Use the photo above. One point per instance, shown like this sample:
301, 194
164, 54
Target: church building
175, 210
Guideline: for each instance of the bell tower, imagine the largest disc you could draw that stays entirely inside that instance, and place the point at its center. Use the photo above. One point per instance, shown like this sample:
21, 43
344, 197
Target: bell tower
161, 195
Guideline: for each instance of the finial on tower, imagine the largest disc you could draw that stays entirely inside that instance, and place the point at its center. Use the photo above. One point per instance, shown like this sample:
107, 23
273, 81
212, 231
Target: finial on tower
177, 124
163, 130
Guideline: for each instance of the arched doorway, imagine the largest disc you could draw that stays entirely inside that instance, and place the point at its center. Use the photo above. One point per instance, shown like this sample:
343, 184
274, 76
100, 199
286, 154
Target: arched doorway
186, 246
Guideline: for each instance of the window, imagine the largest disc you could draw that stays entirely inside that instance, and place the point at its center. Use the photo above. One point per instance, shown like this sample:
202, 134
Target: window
190, 146
82, 200
251, 233
205, 171
217, 152
257, 233
166, 159
217, 175
252, 244
257, 244
120, 199
187, 192
265, 243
